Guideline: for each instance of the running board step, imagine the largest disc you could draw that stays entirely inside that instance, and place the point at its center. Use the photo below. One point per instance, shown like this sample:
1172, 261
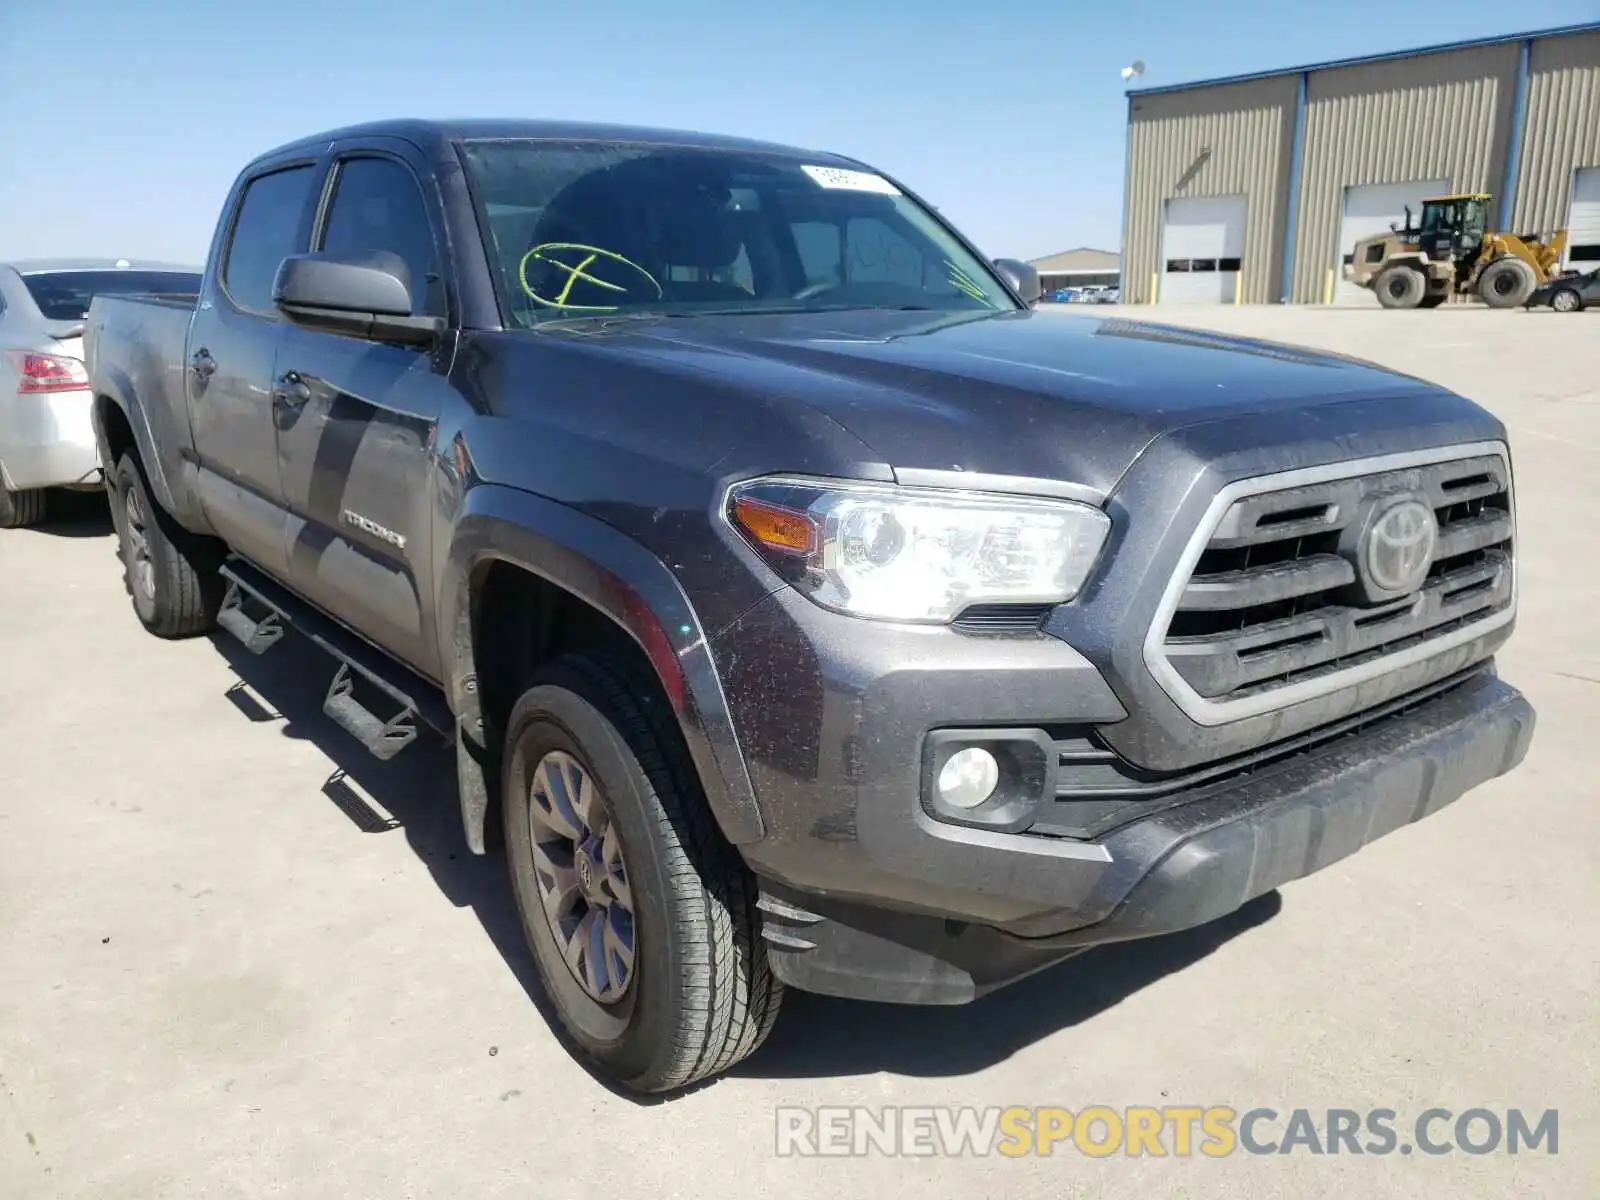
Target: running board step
360, 663
257, 635
383, 739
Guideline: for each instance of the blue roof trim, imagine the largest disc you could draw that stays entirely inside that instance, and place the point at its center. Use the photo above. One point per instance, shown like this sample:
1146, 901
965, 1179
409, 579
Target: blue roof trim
1277, 73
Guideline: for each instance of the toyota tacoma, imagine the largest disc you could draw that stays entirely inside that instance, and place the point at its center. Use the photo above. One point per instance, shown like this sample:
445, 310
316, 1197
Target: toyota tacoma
803, 607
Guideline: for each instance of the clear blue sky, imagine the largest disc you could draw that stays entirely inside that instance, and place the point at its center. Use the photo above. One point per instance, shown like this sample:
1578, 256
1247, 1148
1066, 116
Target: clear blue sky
124, 121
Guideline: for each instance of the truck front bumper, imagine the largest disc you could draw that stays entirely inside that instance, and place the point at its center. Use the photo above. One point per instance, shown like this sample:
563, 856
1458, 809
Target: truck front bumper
47, 440
866, 893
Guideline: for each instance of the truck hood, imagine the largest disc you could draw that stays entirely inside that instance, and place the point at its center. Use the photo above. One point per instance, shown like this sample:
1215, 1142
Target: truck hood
1047, 395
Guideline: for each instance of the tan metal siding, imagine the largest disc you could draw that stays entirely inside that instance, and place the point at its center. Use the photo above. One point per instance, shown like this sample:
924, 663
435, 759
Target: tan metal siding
1435, 116
1247, 129
1561, 129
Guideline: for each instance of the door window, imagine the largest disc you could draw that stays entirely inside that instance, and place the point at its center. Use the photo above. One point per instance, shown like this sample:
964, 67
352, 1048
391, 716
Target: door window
266, 231
377, 207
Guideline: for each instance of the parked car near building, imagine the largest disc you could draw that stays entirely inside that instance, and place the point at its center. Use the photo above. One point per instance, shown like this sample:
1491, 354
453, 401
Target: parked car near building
46, 437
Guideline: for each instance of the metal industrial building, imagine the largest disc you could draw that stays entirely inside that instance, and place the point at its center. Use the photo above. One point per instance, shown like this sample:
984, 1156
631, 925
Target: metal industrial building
1253, 189
1077, 268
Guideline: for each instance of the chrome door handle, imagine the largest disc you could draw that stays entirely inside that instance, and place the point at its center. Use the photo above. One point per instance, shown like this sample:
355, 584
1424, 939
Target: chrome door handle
290, 391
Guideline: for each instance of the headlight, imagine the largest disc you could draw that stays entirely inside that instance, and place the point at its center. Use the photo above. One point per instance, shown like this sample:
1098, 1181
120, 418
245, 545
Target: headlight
908, 554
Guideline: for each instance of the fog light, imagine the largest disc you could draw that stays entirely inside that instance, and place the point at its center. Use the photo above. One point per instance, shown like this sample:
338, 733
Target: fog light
968, 777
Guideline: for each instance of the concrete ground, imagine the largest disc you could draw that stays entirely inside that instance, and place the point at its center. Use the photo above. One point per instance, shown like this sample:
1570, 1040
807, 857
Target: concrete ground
239, 958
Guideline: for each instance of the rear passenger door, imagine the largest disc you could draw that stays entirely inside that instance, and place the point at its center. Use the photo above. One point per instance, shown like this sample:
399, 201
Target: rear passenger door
357, 418
232, 342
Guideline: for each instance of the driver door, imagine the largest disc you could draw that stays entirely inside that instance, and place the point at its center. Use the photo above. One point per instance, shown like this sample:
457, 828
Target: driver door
357, 419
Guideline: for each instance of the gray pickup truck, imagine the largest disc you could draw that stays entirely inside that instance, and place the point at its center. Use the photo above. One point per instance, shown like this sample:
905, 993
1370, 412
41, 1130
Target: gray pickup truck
804, 608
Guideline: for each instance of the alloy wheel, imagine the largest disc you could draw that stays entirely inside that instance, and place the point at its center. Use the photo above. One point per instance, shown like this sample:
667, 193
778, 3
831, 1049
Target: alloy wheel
582, 878
141, 567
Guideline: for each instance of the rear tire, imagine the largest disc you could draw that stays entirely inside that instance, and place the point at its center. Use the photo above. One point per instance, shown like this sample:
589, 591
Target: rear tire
1566, 300
19, 509
693, 994
175, 592
1400, 286
1506, 283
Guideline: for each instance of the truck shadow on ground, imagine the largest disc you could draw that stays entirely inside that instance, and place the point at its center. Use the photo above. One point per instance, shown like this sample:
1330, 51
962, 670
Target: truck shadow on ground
817, 1036
77, 515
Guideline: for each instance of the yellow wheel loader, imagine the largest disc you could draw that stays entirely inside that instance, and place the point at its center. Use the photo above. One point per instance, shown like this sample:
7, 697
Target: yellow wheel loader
1449, 252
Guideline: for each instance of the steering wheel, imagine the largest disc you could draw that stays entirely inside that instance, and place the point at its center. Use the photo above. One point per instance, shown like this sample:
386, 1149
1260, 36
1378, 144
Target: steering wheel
575, 262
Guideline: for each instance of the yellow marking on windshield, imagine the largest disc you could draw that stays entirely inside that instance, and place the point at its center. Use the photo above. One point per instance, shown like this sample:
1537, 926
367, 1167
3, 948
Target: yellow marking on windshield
575, 273
963, 282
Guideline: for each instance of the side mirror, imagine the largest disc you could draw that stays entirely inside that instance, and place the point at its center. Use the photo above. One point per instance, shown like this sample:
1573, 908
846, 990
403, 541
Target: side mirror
1024, 280
364, 298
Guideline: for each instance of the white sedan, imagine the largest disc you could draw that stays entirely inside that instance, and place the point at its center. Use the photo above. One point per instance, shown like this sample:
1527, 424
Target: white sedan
46, 435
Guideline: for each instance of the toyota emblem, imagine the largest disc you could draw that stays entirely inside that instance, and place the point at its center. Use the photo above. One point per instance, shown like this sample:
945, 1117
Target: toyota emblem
1400, 546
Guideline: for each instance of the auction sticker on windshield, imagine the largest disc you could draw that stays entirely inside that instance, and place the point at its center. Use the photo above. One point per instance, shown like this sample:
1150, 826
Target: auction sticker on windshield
840, 178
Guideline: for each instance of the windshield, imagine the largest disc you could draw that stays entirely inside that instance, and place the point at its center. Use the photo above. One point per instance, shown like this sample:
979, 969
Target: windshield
591, 228
65, 295
1437, 217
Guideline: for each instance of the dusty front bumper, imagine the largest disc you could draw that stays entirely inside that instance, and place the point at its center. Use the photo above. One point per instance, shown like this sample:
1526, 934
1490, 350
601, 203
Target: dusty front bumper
1181, 867
47, 440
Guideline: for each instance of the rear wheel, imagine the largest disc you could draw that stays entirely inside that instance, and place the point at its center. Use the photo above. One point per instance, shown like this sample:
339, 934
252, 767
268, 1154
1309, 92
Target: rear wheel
175, 592
1507, 283
18, 509
1566, 300
641, 919
1400, 287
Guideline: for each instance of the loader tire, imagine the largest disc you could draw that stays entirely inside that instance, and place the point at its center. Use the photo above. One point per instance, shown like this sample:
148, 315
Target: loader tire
1400, 287
1507, 283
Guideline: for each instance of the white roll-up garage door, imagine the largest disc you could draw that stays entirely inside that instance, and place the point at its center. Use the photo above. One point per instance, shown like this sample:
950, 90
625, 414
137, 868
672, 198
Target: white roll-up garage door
1583, 221
1202, 249
1370, 209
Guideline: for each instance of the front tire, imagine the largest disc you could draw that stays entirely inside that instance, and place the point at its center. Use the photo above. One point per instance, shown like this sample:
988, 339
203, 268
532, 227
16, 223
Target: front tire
1566, 300
640, 917
21, 509
1507, 283
175, 593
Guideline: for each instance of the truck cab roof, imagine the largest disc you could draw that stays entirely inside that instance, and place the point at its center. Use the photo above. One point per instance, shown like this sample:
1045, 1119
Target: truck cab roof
432, 135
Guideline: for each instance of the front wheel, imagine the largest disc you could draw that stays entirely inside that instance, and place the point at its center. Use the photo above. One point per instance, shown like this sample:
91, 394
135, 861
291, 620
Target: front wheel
641, 919
1507, 283
1566, 300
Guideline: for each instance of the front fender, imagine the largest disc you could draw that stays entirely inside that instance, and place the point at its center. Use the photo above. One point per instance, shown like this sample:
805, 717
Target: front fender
614, 574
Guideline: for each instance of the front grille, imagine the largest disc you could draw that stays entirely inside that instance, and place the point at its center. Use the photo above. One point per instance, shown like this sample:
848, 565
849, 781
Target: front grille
1097, 789
1276, 599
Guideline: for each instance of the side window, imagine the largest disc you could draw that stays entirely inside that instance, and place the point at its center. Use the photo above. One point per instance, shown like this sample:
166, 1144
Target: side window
377, 206
265, 233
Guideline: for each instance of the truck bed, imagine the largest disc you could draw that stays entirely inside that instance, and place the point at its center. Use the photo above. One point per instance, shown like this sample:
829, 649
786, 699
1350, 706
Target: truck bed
135, 349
